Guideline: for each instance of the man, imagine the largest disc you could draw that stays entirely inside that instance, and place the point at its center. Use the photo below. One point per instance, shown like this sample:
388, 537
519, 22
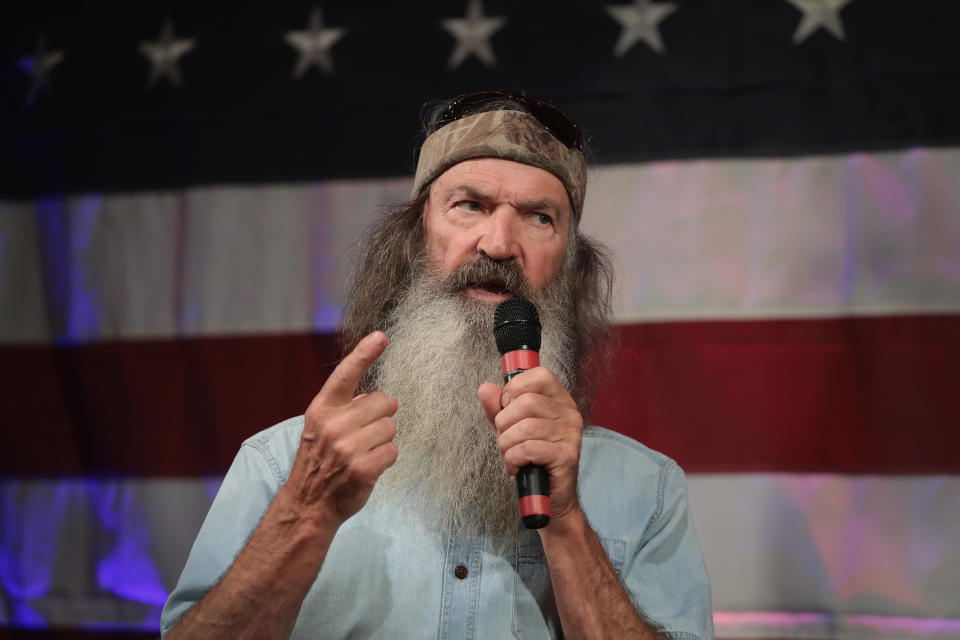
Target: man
392, 513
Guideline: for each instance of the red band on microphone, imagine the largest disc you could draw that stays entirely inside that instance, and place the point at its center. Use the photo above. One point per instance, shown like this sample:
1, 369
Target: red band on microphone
520, 359
534, 505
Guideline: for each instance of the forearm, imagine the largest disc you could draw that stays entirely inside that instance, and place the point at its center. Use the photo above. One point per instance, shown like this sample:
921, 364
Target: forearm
590, 598
260, 595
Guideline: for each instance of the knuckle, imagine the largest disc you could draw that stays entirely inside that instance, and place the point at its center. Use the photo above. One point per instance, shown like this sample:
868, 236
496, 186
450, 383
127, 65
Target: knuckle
363, 356
391, 452
527, 429
332, 426
314, 413
323, 432
357, 469
571, 455
518, 430
380, 402
378, 396
519, 403
390, 427
339, 376
341, 448
536, 403
541, 375
524, 449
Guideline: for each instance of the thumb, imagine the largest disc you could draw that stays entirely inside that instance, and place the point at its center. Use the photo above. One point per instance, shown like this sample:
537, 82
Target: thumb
489, 395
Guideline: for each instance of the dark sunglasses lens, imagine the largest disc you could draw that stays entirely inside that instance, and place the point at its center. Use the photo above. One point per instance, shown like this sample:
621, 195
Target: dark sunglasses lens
560, 125
556, 121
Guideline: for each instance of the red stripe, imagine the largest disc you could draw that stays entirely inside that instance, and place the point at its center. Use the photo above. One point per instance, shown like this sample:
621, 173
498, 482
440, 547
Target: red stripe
534, 505
520, 359
865, 395
859, 395
179, 407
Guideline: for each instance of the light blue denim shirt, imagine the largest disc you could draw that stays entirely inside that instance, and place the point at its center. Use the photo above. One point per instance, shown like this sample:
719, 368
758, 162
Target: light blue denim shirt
385, 577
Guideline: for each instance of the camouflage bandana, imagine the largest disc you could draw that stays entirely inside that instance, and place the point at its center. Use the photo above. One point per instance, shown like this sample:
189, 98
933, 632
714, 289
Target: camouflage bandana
511, 135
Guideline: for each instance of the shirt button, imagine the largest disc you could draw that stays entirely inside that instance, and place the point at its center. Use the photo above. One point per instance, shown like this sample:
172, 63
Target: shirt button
460, 572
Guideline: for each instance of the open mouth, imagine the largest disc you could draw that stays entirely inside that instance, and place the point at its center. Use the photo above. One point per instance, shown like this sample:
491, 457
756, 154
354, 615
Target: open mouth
494, 286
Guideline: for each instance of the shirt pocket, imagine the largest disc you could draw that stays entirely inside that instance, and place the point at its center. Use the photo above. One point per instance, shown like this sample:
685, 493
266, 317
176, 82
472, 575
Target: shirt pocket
616, 550
535, 615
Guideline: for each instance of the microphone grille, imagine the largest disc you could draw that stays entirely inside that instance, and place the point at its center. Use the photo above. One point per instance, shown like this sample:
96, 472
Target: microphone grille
516, 325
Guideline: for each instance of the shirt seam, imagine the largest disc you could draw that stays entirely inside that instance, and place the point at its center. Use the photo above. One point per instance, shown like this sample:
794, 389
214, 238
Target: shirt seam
661, 492
268, 459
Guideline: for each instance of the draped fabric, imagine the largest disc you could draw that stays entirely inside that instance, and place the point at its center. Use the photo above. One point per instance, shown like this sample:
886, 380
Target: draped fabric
783, 211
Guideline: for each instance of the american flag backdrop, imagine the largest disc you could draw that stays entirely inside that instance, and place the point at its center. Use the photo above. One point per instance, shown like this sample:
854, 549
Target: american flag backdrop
183, 188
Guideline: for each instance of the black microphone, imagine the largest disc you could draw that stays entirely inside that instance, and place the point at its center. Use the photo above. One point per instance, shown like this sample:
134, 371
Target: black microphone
516, 327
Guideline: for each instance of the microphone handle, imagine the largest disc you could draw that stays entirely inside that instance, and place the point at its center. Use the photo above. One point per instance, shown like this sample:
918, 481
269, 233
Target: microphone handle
533, 486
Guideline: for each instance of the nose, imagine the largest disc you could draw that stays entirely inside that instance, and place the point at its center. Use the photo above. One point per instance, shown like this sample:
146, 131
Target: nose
499, 237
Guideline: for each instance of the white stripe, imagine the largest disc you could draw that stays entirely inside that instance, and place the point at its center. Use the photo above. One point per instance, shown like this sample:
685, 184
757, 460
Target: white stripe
789, 555
850, 549
806, 237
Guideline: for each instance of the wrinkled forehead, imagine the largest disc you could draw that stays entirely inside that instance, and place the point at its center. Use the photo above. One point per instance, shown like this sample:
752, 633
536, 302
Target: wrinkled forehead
495, 179
509, 135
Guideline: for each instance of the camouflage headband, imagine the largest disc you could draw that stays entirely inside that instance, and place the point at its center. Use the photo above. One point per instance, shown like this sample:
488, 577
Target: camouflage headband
511, 135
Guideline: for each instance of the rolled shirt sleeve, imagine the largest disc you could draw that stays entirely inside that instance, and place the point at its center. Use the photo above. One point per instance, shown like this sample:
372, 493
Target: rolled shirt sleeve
636, 500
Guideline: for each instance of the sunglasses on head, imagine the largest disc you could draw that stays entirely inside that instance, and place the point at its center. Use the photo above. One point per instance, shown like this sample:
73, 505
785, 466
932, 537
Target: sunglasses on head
559, 124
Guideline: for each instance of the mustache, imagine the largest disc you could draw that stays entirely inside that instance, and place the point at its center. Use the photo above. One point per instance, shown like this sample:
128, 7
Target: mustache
484, 270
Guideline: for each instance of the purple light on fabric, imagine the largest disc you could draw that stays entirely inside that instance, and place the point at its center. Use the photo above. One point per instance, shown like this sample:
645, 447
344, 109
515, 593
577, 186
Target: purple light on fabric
28, 538
25, 64
25, 617
326, 316
726, 621
918, 626
126, 569
782, 620
949, 268
29, 530
212, 485
84, 318
858, 560
66, 236
326, 310
41, 519
147, 626
852, 207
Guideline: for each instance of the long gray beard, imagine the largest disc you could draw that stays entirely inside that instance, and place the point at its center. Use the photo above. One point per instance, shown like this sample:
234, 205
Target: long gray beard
441, 350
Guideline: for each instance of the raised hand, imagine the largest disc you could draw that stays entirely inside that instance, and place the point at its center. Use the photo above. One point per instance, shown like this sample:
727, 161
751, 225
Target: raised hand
347, 441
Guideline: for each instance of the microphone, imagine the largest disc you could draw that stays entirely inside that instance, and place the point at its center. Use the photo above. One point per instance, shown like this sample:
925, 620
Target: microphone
516, 327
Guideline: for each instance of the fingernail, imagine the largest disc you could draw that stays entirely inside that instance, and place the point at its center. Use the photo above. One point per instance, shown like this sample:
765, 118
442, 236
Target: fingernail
504, 399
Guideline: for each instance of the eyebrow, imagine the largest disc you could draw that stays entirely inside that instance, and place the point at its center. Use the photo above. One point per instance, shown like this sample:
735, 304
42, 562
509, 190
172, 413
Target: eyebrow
526, 205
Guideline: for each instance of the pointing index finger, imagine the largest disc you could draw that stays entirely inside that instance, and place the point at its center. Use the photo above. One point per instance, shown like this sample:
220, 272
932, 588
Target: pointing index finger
339, 387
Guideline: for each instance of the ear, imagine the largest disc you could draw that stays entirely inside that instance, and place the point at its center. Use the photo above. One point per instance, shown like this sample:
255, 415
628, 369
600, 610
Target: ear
424, 215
